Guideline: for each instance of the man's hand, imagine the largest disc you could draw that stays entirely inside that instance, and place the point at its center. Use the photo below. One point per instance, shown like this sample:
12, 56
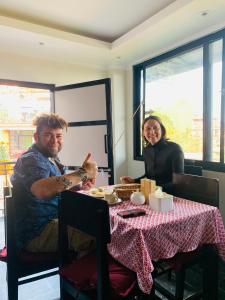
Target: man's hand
87, 185
126, 179
91, 168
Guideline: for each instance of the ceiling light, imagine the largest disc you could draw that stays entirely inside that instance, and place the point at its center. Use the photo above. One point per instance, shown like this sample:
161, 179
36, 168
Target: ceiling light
204, 13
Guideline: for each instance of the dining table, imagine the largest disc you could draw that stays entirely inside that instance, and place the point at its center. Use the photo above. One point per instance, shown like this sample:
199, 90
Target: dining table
139, 241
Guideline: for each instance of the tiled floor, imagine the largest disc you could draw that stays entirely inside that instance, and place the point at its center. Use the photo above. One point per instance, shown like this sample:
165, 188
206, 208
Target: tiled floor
46, 289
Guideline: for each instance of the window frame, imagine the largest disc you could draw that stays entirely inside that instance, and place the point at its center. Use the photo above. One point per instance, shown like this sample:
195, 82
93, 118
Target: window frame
203, 42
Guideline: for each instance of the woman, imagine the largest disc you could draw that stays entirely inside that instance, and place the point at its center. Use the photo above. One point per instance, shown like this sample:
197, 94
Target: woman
162, 158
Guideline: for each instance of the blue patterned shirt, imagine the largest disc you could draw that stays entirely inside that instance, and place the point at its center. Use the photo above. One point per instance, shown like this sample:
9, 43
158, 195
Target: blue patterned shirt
32, 214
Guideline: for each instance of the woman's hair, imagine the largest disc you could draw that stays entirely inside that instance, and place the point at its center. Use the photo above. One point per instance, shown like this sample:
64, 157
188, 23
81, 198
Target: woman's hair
163, 129
49, 120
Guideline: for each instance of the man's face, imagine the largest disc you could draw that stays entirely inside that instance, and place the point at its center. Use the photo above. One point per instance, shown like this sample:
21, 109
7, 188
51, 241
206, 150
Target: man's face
49, 141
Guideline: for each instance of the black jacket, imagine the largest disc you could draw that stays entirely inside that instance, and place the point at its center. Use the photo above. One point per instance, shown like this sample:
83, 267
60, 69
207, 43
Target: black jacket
161, 161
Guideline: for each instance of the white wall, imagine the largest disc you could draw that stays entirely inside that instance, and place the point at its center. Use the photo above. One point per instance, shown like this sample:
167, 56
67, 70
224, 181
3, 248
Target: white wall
134, 168
35, 70
118, 79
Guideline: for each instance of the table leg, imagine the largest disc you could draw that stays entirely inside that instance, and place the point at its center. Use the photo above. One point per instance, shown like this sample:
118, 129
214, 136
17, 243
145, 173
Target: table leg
210, 273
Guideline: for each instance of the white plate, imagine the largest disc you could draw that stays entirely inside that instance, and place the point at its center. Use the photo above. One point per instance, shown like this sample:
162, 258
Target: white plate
97, 195
115, 203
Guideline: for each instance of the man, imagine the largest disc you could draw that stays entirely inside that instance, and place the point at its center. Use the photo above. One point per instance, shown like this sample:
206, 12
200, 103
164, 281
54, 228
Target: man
38, 180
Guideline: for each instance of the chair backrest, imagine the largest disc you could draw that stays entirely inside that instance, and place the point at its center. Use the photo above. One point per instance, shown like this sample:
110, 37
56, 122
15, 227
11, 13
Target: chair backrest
10, 225
89, 215
193, 170
22, 264
197, 188
6, 192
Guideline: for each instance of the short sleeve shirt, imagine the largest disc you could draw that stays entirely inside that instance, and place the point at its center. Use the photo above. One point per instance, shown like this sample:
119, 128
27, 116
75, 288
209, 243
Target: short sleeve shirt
32, 214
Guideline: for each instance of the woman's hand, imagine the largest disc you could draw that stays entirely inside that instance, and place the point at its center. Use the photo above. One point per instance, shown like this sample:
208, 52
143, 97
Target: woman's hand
126, 179
91, 168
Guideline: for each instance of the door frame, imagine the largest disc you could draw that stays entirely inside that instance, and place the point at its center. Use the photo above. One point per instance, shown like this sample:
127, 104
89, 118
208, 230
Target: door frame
33, 85
107, 122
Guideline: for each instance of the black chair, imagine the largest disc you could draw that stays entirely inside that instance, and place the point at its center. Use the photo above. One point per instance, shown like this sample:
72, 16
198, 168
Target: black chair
193, 170
97, 275
199, 189
196, 188
21, 264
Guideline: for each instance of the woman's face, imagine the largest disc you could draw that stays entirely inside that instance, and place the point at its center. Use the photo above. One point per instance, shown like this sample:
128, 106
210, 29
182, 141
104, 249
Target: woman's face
152, 131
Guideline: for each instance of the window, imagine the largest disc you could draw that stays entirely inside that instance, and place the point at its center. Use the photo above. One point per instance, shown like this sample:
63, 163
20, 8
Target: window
184, 88
20, 102
19, 141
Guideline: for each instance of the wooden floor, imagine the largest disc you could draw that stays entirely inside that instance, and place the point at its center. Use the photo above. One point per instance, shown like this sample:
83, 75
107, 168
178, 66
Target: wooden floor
46, 289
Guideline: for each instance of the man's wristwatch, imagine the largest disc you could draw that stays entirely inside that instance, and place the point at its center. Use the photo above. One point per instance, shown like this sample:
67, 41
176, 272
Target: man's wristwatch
82, 173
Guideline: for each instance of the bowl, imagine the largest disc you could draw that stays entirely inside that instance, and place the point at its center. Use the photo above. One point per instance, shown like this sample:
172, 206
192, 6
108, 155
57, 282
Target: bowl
124, 191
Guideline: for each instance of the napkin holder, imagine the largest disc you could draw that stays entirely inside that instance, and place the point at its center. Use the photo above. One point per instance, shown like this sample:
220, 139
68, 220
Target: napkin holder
148, 187
160, 201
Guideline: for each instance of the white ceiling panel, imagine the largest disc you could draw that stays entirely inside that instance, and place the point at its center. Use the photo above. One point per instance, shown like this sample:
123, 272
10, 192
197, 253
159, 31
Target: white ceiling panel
100, 19
104, 33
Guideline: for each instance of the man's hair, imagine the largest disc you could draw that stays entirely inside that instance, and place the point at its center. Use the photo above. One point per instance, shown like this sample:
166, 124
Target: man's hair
49, 120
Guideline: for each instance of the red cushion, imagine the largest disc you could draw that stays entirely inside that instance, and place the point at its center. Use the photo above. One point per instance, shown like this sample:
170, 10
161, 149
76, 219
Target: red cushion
3, 254
122, 280
80, 271
83, 275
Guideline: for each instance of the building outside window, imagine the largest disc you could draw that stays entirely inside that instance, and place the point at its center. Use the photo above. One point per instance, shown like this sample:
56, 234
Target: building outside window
184, 88
18, 106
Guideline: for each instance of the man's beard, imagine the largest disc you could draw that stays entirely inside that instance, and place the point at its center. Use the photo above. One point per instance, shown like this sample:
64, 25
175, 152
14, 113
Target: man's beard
47, 152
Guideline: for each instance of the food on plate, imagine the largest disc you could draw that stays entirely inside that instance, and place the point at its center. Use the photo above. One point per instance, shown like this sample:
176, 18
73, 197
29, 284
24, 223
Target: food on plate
97, 192
94, 190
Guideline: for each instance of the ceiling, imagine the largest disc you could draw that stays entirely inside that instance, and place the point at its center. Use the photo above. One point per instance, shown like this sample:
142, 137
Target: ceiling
103, 33
105, 20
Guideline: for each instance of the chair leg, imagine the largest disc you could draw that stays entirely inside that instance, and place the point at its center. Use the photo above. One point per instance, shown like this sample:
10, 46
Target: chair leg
12, 281
170, 275
66, 290
180, 279
210, 273
63, 294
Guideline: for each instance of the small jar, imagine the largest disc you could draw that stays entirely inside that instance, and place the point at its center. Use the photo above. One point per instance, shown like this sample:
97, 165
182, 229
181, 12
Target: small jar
137, 198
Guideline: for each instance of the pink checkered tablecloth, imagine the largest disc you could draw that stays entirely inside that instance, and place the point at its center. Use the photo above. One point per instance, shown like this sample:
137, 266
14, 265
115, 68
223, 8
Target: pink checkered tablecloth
135, 242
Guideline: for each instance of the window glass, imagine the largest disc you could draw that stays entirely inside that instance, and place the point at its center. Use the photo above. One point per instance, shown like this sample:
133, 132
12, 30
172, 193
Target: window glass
18, 107
216, 59
19, 141
142, 109
174, 92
